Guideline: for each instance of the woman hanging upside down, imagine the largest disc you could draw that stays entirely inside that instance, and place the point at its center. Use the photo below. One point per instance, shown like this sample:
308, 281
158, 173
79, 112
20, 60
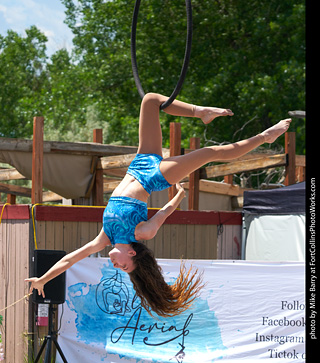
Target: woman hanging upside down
125, 221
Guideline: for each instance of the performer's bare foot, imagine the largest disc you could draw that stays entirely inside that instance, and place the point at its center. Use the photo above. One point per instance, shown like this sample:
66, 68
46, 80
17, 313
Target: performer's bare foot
271, 134
208, 114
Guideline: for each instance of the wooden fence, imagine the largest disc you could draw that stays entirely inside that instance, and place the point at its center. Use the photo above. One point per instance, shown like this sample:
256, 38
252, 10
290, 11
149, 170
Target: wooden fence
111, 163
185, 234
14, 268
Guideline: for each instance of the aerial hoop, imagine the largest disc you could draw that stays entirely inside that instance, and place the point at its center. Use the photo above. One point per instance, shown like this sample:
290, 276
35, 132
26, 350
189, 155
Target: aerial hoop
186, 55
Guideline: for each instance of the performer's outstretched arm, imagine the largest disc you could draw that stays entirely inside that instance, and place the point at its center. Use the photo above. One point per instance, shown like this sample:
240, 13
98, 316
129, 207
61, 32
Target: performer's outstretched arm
96, 245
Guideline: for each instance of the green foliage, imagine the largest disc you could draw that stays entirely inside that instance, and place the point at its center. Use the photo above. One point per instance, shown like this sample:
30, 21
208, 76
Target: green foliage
22, 63
246, 55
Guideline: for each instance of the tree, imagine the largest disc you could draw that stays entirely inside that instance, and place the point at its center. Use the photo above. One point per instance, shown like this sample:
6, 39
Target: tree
247, 56
22, 61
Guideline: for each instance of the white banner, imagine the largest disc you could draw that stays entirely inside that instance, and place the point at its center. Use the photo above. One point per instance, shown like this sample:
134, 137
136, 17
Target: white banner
247, 311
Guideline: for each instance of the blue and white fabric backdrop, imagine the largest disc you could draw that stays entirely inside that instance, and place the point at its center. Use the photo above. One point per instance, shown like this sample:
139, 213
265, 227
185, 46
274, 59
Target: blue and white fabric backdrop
247, 311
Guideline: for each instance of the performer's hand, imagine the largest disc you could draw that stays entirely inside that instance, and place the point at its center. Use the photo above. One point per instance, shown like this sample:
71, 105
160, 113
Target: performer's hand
180, 190
36, 284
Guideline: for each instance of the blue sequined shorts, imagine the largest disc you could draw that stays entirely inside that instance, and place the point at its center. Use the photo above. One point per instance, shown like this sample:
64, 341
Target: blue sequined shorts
145, 168
121, 217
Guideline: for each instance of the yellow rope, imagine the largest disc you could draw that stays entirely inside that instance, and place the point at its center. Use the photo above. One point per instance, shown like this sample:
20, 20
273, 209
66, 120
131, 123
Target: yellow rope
53, 205
34, 232
34, 226
16, 302
56, 205
3, 210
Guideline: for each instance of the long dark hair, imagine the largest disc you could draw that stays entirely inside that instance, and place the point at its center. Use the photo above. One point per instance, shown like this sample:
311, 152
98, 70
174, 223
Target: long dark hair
155, 294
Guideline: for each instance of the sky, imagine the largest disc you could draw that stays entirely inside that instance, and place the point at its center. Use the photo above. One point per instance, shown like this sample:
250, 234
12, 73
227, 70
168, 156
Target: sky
47, 15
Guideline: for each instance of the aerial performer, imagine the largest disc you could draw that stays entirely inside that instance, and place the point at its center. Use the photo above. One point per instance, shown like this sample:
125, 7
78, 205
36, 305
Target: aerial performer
125, 220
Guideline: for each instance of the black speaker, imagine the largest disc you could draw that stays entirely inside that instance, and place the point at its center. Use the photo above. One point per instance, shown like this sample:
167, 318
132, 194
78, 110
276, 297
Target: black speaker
54, 290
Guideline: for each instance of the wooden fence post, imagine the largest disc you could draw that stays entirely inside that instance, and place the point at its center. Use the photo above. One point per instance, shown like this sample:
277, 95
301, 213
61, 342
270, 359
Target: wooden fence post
98, 185
11, 198
193, 202
228, 179
37, 160
290, 150
175, 148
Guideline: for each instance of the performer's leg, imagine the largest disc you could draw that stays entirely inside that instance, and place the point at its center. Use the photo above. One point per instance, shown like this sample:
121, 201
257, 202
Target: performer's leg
178, 167
150, 135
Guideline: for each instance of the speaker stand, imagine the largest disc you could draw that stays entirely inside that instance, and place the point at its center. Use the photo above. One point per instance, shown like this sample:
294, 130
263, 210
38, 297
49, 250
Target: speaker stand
49, 339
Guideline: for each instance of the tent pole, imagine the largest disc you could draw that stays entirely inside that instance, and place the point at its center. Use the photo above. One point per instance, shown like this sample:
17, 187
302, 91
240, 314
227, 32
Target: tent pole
243, 239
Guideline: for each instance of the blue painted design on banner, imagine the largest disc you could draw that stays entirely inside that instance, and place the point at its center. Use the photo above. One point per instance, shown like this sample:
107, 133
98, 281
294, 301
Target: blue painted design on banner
109, 314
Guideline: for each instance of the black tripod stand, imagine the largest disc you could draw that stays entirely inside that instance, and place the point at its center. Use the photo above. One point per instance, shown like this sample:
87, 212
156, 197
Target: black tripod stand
51, 337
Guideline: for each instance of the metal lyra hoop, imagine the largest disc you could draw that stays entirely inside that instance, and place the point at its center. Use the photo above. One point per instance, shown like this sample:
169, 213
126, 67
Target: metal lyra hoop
186, 55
